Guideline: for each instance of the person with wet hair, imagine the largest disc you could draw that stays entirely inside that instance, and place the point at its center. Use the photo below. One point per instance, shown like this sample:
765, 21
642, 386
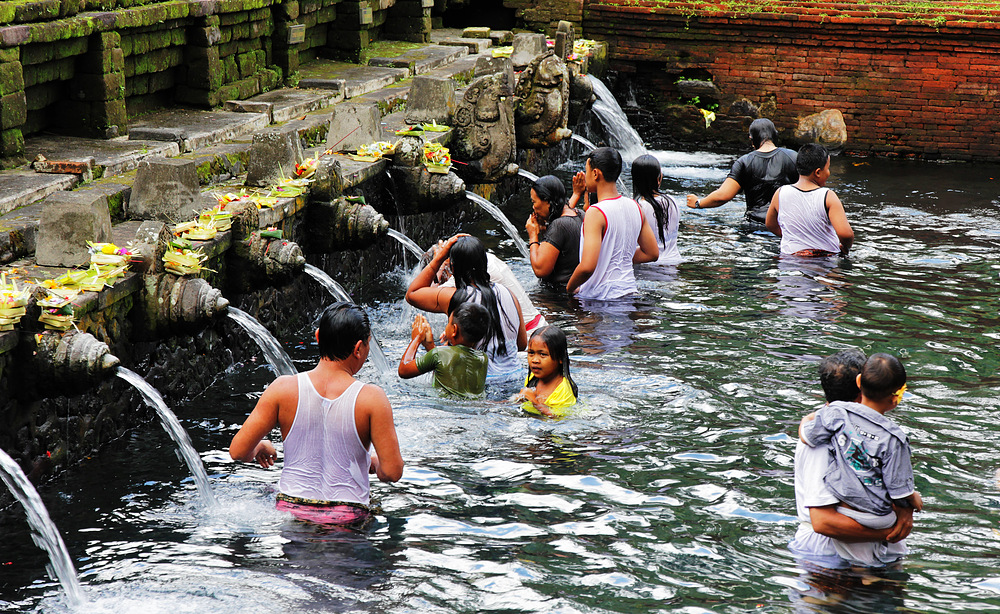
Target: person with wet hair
553, 232
549, 389
869, 469
647, 175
616, 234
757, 174
458, 367
809, 217
506, 334
817, 506
329, 421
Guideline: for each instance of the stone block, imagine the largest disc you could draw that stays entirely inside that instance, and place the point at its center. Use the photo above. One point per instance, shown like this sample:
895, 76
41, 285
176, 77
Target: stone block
165, 189
68, 221
501, 37
11, 78
11, 143
565, 38
487, 65
527, 46
273, 155
476, 32
353, 125
13, 110
431, 99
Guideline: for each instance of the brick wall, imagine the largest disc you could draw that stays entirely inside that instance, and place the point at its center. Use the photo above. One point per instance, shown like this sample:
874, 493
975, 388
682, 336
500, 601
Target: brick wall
908, 85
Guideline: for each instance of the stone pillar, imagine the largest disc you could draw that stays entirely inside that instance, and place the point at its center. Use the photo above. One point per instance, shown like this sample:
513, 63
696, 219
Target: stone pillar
431, 99
352, 31
68, 221
97, 91
273, 155
410, 20
527, 46
165, 189
204, 66
287, 28
13, 108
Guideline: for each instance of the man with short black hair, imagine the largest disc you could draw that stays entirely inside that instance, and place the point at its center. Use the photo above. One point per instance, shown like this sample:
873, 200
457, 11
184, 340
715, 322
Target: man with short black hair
615, 234
328, 421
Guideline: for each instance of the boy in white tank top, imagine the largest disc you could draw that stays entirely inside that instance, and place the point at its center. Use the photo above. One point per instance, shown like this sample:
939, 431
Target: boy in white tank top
615, 235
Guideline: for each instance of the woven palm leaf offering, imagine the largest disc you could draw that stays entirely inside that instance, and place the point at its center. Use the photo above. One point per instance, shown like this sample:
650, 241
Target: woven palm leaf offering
13, 303
180, 260
435, 127
437, 158
374, 151
216, 217
57, 307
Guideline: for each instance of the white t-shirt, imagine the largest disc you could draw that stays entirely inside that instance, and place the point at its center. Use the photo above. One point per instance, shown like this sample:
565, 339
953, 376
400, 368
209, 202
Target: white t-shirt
669, 254
810, 466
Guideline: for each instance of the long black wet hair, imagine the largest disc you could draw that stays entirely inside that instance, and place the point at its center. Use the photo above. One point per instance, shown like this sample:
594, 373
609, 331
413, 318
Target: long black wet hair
468, 266
646, 184
555, 339
551, 190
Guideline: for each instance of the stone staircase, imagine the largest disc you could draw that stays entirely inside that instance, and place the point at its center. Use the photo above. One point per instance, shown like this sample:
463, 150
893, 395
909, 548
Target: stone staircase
219, 140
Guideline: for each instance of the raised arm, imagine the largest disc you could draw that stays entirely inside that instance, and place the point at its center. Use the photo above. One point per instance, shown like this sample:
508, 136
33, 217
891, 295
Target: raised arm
542, 255
725, 193
838, 217
420, 334
421, 294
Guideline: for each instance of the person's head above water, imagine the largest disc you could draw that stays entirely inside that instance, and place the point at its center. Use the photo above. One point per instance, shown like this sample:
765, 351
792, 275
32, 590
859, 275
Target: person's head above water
554, 340
838, 374
761, 131
341, 327
608, 161
468, 262
882, 377
471, 320
548, 190
811, 157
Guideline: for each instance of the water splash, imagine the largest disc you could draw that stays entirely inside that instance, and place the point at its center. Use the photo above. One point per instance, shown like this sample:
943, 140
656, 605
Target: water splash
338, 292
583, 141
173, 428
44, 532
406, 242
627, 141
500, 217
276, 357
527, 175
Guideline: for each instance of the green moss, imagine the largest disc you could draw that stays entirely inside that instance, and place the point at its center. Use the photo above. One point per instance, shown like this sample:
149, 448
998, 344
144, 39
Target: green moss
116, 204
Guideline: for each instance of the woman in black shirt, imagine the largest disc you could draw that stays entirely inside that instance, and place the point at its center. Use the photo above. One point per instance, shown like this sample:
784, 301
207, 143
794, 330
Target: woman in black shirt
553, 230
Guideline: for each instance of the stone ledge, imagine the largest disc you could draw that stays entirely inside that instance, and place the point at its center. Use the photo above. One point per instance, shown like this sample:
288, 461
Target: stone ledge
423, 60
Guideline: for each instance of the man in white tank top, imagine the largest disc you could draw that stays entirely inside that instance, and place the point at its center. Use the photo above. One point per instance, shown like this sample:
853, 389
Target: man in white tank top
615, 235
810, 218
328, 422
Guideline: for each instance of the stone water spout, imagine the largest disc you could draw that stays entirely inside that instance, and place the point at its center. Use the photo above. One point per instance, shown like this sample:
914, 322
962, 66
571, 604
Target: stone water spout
73, 358
541, 112
484, 137
175, 303
343, 223
425, 191
260, 257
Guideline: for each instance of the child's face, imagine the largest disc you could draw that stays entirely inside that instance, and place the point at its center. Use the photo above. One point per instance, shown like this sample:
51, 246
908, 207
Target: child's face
541, 364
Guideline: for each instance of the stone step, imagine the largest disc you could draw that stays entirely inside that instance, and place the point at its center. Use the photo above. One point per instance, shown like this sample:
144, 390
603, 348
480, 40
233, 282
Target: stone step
111, 157
422, 60
286, 104
193, 129
24, 187
461, 70
349, 79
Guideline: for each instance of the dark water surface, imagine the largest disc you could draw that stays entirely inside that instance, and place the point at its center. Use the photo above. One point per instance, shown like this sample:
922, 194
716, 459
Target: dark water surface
671, 489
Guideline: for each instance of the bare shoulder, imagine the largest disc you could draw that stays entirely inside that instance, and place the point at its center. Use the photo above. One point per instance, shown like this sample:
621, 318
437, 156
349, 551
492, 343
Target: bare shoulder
283, 385
373, 398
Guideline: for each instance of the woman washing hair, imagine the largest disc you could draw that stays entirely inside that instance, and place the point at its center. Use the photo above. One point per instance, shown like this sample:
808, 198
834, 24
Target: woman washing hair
553, 232
646, 178
506, 334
